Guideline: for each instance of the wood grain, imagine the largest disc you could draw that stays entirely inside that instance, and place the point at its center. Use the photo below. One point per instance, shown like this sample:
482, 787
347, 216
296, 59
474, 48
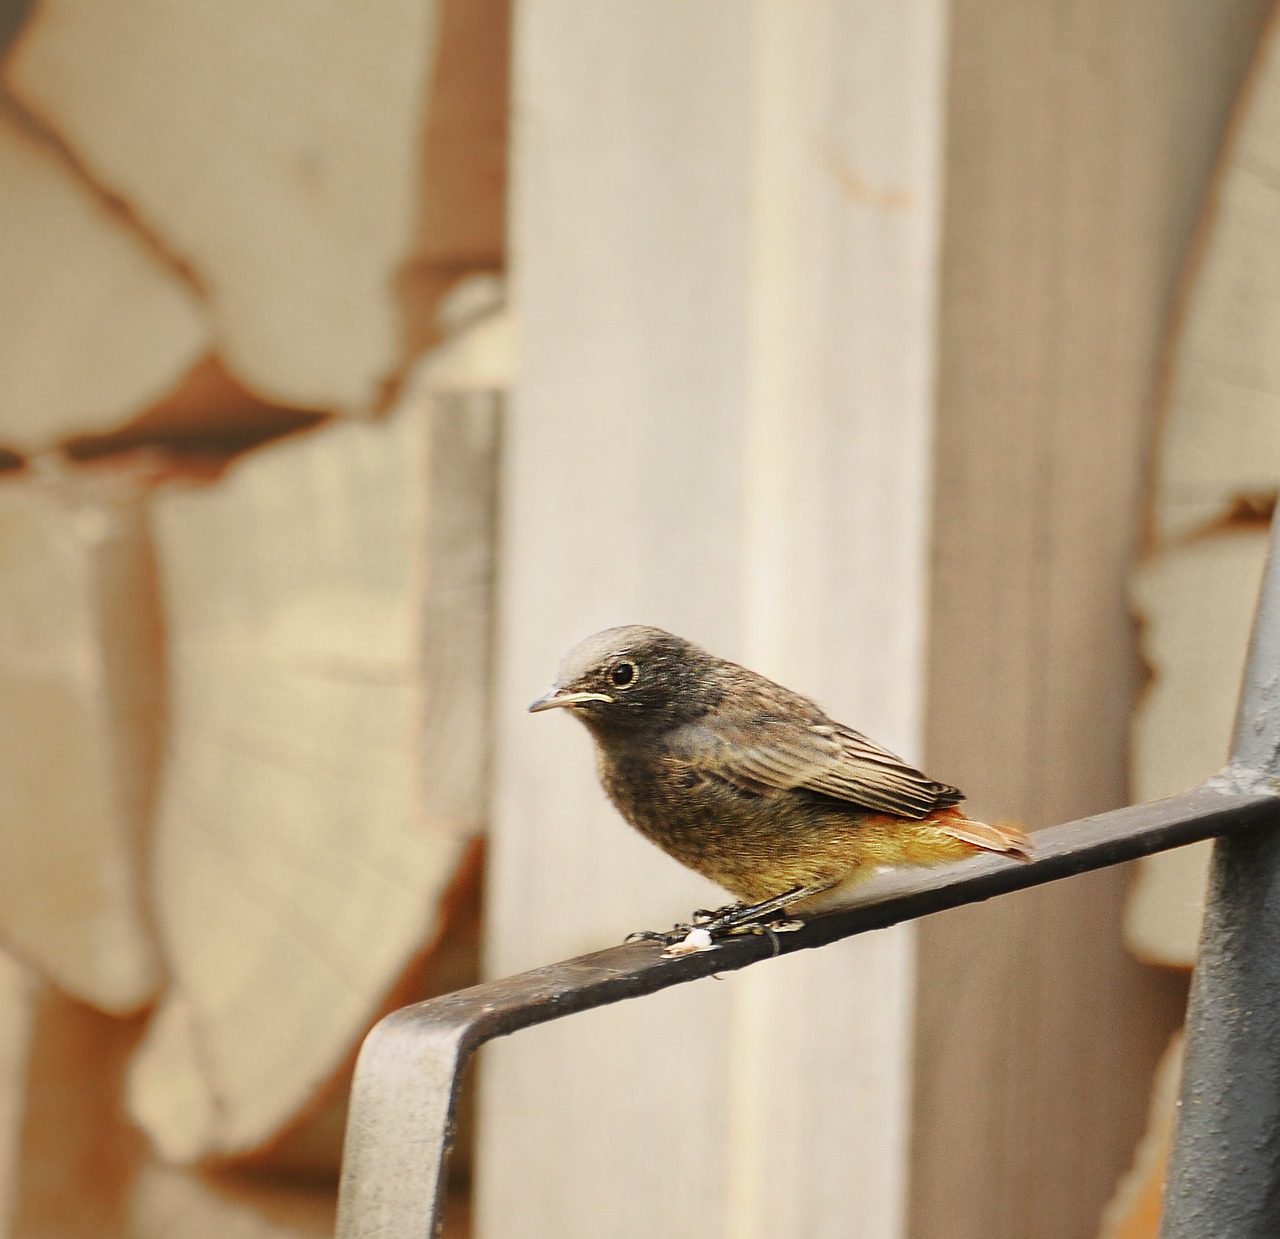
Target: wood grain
81, 686
1080, 142
1219, 436
627, 288
724, 291
327, 605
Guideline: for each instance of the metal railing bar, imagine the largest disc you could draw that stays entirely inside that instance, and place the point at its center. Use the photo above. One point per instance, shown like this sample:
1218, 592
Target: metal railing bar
401, 1119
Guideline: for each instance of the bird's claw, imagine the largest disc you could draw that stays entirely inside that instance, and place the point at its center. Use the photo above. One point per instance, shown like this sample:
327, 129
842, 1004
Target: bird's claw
680, 939
667, 938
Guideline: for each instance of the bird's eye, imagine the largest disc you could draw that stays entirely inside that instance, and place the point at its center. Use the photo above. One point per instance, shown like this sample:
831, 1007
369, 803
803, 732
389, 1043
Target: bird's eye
623, 675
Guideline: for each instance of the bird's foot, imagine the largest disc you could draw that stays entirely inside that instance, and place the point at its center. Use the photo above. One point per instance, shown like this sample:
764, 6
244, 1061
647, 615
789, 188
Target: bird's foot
710, 926
704, 937
750, 918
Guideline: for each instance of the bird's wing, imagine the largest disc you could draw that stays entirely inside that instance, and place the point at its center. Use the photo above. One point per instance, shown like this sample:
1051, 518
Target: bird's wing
765, 751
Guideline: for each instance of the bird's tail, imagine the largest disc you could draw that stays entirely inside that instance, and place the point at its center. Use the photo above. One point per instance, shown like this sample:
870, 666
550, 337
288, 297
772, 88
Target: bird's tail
1007, 837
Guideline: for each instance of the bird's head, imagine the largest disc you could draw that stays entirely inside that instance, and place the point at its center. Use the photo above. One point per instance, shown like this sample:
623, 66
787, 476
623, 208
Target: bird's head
634, 678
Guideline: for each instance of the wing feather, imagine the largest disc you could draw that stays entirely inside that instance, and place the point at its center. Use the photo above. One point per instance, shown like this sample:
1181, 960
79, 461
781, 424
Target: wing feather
800, 747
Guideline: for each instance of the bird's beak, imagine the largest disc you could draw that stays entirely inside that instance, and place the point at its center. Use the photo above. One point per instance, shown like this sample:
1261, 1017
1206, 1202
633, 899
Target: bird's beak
552, 699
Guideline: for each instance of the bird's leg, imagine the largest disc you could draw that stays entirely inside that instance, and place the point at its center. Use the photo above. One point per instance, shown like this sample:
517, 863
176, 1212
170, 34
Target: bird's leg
713, 920
735, 918
754, 917
704, 916
734, 913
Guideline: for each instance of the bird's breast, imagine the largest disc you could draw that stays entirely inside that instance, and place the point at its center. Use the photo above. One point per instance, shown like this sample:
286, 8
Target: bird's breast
670, 802
754, 845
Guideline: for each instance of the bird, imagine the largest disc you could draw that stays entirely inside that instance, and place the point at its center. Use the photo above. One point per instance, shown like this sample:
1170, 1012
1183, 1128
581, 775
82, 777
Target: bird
751, 784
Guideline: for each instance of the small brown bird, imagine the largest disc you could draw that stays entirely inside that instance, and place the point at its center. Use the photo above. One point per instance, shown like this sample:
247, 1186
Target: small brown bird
750, 784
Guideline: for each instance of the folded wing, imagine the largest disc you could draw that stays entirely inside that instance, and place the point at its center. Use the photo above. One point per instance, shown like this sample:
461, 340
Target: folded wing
772, 749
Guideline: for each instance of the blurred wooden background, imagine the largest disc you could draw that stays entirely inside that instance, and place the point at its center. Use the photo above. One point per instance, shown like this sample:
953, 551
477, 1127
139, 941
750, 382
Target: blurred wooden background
252, 366
357, 360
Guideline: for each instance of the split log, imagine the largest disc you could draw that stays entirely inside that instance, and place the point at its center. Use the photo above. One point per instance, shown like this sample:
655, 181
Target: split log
277, 151
79, 730
93, 325
1196, 603
1220, 437
70, 1166
328, 611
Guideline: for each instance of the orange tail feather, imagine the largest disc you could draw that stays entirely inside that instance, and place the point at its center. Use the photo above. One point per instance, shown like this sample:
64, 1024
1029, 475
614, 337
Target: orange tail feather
1008, 837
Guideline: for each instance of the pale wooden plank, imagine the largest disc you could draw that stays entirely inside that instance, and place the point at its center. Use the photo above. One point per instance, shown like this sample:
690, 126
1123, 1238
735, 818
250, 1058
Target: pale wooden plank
273, 147
842, 281
621, 503
757, 482
94, 327
327, 605
80, 709
1080, 140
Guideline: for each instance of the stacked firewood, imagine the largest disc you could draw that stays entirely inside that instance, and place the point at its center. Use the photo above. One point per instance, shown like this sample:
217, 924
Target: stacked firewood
252, 351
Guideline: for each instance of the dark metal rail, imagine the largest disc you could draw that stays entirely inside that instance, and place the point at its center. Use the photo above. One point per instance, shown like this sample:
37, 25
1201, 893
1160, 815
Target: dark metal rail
1226, 1165
1224, 1172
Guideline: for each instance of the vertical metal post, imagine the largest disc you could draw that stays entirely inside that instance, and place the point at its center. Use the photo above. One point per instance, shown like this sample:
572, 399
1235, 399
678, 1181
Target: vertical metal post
1224, 1173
